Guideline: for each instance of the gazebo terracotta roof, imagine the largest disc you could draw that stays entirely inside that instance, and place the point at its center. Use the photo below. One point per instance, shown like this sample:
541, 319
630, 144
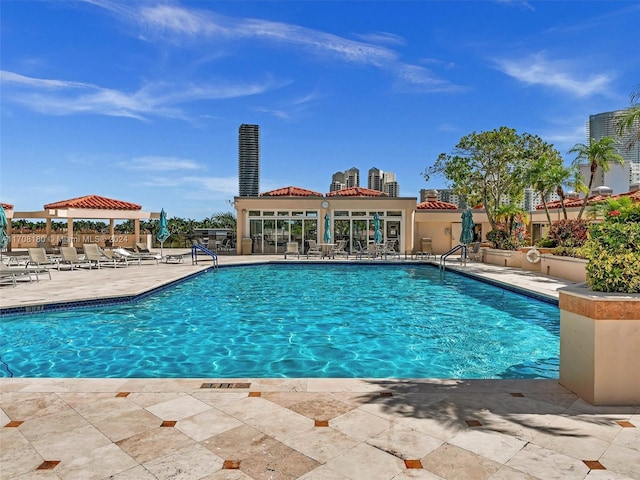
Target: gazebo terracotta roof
6, 206
94, 202
436, 205
357, 192
291, 192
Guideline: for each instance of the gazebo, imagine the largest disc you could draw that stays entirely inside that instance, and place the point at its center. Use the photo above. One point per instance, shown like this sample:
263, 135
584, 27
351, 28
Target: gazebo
90, 207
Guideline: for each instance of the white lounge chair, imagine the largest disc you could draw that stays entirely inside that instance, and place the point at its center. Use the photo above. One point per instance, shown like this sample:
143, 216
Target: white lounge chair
38, 258
11, 275
94, 254
71, 259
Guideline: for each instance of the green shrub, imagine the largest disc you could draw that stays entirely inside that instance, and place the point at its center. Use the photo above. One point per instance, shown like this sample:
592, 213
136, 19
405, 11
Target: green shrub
613, 252
546, 242
576, 252
501, 239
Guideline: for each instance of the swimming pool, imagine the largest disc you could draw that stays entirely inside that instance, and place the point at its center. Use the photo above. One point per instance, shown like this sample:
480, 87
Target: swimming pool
332, 320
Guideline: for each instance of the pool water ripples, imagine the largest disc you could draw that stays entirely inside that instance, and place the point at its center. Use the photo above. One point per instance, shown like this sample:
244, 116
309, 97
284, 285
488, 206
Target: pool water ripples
331, 320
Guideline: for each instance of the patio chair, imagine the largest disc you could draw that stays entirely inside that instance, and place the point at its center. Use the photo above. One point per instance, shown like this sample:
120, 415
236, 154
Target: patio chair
474, 252
339, 249
359, 249
133, 256
292, 249
141, 248
314, 249
38, 258
389, 249
71, 259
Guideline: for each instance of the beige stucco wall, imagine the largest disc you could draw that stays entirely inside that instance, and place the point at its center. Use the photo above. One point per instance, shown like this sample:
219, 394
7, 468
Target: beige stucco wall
569, 268
444, 226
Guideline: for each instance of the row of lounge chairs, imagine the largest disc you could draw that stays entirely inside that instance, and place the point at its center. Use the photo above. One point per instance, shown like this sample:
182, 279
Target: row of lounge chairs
339, 249
40, 262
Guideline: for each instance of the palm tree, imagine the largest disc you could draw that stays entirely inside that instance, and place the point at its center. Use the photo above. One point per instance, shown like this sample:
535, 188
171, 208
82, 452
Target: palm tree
629, 121
599, 154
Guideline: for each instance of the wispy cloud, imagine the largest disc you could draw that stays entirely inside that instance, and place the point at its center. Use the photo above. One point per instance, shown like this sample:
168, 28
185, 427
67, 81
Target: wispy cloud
175, 23
516, 3
155, 164
220, 187
558, 74
61, 97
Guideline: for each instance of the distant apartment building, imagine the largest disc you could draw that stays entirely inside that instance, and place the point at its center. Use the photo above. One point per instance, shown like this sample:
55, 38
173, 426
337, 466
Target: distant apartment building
352, 177
620, 177
390, 185
444, 195
249, 160
375, 180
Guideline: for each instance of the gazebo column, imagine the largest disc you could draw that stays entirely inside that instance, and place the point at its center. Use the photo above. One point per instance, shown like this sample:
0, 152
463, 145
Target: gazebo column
70, 231
47, 231
112, 231
136, 230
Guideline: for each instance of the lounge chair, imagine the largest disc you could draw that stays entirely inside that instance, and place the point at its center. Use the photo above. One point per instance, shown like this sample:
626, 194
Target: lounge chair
314, 249
138, 257
292, 249
71, 259
339, 249
94, 254
38, 258
11, 275
20, 272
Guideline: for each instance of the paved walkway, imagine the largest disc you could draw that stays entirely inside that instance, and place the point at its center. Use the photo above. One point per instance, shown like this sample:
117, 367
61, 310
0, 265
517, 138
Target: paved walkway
333, 429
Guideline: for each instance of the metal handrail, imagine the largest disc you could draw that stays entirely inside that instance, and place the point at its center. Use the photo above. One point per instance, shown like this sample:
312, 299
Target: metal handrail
203, 249
444, 256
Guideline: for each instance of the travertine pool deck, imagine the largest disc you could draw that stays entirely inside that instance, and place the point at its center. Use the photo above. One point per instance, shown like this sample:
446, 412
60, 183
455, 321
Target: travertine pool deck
333, 429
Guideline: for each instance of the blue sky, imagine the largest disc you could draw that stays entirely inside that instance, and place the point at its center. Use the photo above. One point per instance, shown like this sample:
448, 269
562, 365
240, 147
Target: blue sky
141, 101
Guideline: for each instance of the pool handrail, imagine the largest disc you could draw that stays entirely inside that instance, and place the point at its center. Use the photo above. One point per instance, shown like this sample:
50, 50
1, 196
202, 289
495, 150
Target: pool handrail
463, 255
194, 254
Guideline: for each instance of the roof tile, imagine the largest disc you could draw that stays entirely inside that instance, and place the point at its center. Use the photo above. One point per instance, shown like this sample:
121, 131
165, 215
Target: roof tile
6, 206
94, 202
291, 192
357, 192
436, 205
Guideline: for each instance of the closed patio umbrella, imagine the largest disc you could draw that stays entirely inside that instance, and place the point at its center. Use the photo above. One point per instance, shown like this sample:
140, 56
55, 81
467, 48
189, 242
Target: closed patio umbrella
4, 238
377, 233
466, 235
163, 231
327, 228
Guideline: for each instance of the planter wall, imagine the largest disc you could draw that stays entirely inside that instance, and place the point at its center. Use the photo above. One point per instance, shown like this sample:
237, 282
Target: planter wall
533, 267
569, 268
600, 345
504, 258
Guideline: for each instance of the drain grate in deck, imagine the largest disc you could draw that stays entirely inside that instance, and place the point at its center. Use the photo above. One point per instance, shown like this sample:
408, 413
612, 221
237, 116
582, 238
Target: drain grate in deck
225, 385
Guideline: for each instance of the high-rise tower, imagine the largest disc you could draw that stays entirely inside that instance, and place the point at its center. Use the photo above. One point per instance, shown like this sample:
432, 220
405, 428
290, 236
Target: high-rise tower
249, 160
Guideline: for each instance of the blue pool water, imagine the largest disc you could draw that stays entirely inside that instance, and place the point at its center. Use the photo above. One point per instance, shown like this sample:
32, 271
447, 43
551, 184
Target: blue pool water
296, 321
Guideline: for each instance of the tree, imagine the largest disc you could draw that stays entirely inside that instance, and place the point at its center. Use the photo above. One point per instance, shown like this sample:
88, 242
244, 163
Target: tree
598, 154
629, 121
490, 167
546, 174
224, 220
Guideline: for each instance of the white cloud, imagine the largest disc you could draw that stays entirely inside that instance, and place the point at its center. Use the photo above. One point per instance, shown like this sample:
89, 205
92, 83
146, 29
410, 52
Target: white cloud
155, 164
60, 97
175, 23
538, 70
